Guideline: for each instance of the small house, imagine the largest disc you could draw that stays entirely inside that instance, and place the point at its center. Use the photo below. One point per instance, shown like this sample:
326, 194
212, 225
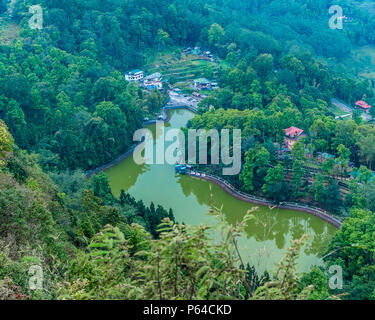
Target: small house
202, 83
154, 81
292, 135
196, 51
187, 50
134, 76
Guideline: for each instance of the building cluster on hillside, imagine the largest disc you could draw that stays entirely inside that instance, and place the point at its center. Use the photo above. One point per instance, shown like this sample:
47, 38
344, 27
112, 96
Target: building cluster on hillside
153, 81
150, 82
197, 51
204, 84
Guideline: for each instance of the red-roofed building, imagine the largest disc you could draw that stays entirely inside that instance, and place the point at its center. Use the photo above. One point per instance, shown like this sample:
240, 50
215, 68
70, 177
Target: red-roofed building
363, 106
293, 134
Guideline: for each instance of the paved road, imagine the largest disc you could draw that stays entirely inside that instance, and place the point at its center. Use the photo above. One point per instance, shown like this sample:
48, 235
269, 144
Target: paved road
181, 100
348, 109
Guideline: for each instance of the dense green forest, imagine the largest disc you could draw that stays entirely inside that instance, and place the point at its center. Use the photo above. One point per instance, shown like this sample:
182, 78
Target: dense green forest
263, 107
66, 108
63, 85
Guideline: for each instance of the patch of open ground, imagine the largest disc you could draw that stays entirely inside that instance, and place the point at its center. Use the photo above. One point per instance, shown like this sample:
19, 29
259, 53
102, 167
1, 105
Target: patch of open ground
9, 31
337, 111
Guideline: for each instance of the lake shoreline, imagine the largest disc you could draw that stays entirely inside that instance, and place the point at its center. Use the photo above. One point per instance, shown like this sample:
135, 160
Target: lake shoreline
129, 152
222, 183
264, 202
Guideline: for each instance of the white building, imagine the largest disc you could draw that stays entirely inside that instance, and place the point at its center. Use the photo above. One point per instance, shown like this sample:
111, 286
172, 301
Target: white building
134, 76
153, 81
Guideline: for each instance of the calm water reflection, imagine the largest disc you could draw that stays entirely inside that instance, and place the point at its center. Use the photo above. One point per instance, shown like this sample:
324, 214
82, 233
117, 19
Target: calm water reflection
266, 238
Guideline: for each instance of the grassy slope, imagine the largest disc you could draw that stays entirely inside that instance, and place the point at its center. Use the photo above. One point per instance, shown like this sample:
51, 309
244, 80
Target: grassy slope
359, 65
337, 111
361, 62
8, 30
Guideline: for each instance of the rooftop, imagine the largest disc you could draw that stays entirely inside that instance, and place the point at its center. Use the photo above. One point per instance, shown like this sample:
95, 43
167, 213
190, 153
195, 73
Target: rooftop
293, 132
202, 81
326, 155
362, 104
153, 76
135, 71
151, 87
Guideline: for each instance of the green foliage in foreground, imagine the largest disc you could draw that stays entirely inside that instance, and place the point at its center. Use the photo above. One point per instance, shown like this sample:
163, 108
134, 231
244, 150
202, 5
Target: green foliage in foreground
183, 264
42, 224
353, 248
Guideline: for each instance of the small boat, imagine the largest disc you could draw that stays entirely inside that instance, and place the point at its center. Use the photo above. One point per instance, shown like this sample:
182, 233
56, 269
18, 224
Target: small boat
181, 169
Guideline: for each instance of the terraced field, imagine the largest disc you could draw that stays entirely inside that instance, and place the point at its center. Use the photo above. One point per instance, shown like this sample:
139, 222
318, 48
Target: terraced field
182, 70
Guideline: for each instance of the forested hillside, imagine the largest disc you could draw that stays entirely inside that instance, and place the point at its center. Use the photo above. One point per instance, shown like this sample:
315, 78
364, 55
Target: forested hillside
62, 91
263, 103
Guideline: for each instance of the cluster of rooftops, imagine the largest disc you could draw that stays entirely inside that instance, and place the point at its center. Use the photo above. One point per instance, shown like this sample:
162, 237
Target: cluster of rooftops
198, 52
155, 80
362, 105
152, 81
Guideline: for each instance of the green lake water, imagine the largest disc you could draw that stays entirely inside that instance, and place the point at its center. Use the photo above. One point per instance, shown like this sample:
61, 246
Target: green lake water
266, 238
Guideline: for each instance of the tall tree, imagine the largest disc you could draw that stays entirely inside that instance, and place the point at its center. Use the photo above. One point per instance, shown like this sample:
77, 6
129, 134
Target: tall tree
215, 34
275, 186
